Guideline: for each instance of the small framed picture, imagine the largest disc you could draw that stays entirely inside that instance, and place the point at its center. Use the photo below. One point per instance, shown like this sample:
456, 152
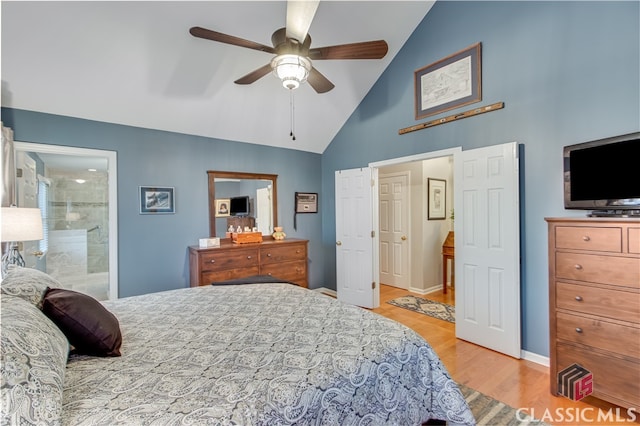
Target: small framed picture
306, 202
157, 200
437, 194
222, 207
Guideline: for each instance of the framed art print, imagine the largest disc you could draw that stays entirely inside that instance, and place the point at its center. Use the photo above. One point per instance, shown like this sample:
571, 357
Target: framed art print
449, 83
157, 200
436, 198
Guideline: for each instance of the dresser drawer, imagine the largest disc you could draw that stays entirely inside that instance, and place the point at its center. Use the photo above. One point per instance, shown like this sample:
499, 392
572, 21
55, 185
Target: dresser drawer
589, 238
614, 379
275, 254
288, 271
230, 259
634, 240
229, 274
622, 271
621, 305
604, 335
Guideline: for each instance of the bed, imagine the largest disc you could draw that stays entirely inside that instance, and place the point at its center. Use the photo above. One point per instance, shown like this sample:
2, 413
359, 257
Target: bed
252, 354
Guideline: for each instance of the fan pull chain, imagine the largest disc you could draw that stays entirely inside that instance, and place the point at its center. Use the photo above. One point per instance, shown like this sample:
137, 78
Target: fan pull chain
292, 107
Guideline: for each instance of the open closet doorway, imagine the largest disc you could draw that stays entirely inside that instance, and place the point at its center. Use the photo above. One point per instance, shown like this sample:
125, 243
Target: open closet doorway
77, 193
412, 229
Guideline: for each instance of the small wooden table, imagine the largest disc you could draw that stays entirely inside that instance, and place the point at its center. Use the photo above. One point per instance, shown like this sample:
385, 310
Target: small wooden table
448, 252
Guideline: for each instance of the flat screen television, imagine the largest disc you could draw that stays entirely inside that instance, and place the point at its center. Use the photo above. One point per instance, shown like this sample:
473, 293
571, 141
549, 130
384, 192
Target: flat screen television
604, 176
239, 206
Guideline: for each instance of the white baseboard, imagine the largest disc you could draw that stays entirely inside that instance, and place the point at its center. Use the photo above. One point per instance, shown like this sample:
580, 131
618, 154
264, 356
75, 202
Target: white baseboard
424, 291
533, 357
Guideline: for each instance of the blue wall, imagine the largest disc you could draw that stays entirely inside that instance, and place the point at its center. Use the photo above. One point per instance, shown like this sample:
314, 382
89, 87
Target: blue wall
568, 72
152, 249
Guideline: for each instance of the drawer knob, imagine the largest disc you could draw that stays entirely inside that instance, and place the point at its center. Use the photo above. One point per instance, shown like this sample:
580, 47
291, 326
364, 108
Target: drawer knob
212, 261
578, 266
248, 257
586, 238
579, 298
268, 254
578, 330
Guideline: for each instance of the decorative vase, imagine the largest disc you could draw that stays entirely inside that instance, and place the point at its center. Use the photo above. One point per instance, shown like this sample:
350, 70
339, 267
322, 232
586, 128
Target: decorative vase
278, 234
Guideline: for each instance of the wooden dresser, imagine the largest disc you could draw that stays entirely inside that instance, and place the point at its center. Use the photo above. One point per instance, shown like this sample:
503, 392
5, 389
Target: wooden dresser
594, 304
284, 259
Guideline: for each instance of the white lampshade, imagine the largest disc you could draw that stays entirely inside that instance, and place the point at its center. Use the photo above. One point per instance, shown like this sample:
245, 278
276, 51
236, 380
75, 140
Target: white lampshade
291, 69
21, 224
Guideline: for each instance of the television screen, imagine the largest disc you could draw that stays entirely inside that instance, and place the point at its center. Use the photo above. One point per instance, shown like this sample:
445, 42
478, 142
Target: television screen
239, 206
603, 174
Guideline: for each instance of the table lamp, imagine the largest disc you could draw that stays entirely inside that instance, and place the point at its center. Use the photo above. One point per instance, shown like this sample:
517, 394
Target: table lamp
18, 224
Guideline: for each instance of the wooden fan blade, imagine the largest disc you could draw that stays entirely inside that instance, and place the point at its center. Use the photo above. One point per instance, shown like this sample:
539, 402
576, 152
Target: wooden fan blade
319, 82
299, 17
254, 75
228, 39
376, 49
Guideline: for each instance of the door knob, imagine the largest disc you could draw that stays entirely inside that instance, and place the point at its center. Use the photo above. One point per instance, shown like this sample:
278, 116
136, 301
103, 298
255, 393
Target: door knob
403, 238
338, 243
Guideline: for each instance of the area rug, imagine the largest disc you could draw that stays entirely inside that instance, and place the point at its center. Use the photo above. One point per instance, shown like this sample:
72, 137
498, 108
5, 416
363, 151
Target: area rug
491, 412
438, 310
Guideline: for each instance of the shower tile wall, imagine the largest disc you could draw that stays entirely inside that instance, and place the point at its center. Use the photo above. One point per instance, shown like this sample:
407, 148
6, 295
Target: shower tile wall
82, 206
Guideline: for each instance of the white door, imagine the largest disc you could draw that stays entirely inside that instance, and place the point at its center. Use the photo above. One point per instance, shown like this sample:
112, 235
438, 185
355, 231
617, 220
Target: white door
354, 237
27, 196
394, 230
487, 248
264, 215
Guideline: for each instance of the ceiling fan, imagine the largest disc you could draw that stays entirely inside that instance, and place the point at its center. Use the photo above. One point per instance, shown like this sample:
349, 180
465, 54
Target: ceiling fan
292, 63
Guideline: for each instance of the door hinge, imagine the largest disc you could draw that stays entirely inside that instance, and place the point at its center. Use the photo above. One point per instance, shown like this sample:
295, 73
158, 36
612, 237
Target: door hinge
18, 172
373, 285
373, 234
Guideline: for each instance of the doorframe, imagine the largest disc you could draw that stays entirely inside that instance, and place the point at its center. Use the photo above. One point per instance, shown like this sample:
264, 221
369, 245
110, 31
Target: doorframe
455, 152
112, 178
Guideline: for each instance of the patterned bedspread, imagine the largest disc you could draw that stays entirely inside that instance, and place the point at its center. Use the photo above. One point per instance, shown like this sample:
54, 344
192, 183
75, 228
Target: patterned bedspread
259, 354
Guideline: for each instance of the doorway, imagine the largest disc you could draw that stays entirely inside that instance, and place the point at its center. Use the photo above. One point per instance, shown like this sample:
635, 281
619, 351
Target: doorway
420, 270
486, 241
77, 194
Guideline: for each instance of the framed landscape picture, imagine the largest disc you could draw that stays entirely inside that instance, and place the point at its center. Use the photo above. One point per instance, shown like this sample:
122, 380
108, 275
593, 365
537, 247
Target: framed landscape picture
157, 200
449, 83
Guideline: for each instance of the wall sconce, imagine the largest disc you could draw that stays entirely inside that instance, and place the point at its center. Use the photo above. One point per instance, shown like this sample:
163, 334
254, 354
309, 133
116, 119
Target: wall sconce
18, 224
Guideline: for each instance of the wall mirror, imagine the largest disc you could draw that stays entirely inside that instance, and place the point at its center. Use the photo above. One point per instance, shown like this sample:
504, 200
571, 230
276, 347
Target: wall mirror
258, 190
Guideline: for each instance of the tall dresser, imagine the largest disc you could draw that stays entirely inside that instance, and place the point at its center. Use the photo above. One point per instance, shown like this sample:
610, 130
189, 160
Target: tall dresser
594, 304
283, 259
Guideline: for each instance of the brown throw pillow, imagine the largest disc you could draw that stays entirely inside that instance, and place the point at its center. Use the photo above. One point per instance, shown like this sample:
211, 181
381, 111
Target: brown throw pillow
90, 328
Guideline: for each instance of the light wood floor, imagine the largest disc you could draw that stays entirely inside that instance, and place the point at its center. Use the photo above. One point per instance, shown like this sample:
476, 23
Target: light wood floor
518, 383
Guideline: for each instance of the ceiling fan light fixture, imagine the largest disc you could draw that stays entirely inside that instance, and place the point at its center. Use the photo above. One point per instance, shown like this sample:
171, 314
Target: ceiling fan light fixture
291, 70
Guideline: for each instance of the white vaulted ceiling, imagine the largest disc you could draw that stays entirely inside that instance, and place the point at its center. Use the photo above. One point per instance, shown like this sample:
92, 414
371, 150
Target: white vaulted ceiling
135, 63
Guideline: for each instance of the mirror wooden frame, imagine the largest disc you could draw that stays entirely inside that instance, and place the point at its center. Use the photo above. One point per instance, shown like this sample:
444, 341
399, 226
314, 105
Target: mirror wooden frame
213, 174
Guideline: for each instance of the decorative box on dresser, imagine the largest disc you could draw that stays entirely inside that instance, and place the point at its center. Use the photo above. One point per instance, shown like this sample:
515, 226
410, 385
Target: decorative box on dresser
283, 259
594, 304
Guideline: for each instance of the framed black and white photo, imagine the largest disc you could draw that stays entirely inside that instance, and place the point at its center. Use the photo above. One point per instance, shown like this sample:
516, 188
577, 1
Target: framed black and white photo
157, 200
222, 207
436, 199
449, 83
